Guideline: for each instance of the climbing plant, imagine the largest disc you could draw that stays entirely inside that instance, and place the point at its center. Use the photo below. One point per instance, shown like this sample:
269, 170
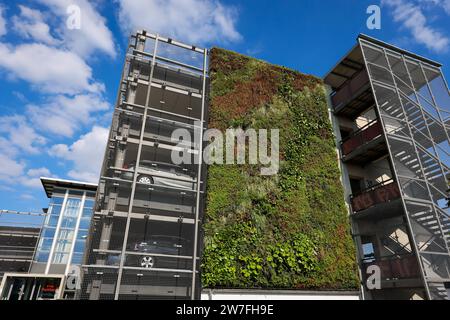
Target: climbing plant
289, 230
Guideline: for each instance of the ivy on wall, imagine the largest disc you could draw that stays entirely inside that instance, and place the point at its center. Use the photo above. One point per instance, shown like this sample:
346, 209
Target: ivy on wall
289, 230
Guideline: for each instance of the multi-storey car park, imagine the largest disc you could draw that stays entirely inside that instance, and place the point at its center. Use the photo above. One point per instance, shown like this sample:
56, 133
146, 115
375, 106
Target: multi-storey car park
392, 119
146, 239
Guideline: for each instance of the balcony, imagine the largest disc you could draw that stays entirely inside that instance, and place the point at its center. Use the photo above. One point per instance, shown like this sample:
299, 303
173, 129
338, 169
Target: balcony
396, 267
378, 194
365, 144
354, 96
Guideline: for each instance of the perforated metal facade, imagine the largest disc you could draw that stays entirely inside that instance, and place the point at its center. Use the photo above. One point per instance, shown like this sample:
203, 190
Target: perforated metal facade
145, 239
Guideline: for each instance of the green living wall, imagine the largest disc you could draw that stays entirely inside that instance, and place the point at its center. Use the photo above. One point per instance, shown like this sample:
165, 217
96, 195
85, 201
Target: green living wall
289, 230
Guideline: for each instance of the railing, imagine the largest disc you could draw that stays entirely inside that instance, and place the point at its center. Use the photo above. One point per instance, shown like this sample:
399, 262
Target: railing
345, 94
362, 136
380, 193
394, 267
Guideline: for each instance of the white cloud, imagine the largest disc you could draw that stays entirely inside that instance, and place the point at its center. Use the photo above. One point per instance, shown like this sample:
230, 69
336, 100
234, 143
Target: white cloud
39, 172
27, 196
32, 177
62, 115
31, 25
2, 22
49, 69
10, 170
93, 34
442, 4
193, 21
20, 136
86, 154
446, 5
413, 19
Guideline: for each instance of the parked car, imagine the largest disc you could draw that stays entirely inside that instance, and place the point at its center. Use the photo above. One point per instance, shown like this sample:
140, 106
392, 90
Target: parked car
158, 244
161, 174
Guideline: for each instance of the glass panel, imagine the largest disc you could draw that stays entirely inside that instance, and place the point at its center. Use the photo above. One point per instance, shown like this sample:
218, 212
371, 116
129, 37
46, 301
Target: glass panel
45, 244
79, 246
55, 210
51, 221
85, 223
60, 258
65, 234
87, 212
76, 193
48, 232
68, 222
82, 234
57, 200
77, 258
42, 256
72, 207
63, 246
89, 203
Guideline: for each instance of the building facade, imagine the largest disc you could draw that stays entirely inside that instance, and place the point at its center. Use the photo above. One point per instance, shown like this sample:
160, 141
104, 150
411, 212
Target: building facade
60, 246
17, 246
391, 113
145, 237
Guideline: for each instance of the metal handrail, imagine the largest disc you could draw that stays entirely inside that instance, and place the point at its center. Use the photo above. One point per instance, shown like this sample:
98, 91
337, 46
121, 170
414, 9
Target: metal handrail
373, 187
355, 133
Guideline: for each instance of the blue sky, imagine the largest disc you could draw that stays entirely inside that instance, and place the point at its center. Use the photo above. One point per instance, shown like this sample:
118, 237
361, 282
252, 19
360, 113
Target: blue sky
58, 85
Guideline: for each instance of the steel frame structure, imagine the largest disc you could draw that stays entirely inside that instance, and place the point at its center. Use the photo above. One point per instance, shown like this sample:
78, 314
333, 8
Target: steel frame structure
406, 99
428, 150
163, 87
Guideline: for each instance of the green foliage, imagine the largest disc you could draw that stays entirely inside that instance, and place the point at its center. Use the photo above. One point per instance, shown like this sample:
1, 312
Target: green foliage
285, 231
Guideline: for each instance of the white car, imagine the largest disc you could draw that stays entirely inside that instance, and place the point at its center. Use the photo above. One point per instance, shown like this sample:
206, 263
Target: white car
161, 174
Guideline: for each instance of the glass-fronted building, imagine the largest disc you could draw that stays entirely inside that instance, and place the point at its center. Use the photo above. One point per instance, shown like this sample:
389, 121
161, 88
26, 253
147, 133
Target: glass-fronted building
54, 272
392, 118
65, 228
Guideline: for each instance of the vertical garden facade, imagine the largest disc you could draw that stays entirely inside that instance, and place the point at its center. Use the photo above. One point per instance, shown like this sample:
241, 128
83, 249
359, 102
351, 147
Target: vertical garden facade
284, 231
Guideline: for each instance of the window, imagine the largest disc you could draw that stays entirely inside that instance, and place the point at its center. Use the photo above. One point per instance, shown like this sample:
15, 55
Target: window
85, 223
89, 203
77, 258
82, 235
57, 200
87, 212
48, 232
51, 221
72, 207
42, 256
59, 257
54, 209
68, 222
76, 193
63, 246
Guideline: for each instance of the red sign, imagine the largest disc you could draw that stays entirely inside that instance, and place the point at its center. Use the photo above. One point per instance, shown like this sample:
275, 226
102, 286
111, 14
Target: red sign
377, 195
